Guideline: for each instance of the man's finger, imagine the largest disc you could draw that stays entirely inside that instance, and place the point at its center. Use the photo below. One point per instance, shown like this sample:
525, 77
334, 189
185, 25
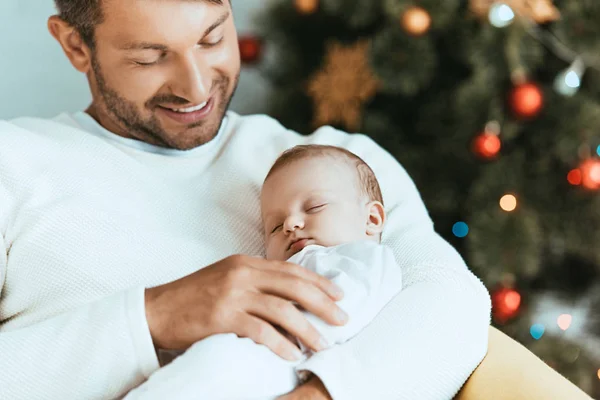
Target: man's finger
262, 332
330, 288
283, 313
306, 294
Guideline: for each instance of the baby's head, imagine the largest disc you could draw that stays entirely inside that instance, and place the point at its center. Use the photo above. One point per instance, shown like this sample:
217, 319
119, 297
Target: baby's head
322, 195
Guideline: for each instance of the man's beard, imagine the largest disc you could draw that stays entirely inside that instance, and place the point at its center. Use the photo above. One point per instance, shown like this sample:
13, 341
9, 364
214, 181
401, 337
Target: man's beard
128, 117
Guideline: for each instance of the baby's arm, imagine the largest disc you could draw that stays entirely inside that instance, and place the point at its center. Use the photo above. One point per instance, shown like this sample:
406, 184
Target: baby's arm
221, 366
369, 276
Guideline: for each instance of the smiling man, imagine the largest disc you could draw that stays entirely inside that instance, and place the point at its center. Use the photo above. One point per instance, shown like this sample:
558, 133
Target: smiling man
135, 226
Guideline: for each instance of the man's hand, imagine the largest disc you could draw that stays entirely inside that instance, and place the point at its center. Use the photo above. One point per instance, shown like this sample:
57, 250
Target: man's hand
247, 296
313, 389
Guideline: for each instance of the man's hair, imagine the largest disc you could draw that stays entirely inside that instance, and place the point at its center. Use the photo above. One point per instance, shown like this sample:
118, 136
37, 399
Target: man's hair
366, 177
85, 15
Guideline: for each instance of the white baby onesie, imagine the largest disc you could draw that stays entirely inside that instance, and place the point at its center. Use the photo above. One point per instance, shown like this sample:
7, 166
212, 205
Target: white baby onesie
226, 367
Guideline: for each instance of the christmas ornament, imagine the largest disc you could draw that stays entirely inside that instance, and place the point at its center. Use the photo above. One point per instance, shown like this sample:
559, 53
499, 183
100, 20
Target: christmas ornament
568, 82
590, 173
416, 21
526, 100
250, 49
505, 304
540, 11
343, 85
574, 177
306, 6
486, 145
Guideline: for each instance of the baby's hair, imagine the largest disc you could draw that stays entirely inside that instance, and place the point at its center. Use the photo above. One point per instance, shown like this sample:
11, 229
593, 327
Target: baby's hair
366, 177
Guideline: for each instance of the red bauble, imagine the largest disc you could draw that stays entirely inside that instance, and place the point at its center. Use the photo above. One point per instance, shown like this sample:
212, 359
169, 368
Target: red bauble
590, 173
250, 49
526, 100
505, 304
487, 145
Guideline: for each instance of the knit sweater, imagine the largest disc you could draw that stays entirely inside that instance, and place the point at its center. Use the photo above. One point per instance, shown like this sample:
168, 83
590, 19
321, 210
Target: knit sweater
89, 219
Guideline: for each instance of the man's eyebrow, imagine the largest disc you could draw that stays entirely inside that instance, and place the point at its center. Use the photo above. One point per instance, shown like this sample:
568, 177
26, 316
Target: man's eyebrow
161, 47
218, 22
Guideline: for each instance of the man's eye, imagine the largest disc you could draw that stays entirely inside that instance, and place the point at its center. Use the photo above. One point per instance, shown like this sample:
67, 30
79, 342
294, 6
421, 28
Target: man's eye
213, 43
277, 228
145, 64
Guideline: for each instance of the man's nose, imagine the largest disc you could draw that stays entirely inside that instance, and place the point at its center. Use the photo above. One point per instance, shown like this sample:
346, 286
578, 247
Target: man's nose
192, 81
293, 222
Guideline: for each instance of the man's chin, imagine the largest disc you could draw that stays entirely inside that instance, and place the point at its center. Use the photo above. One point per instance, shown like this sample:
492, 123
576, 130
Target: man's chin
187, 137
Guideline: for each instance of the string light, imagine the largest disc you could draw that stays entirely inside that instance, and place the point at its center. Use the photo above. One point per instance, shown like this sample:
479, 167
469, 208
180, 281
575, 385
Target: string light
564, 321
508, 202
537, 331
568, 82
501, 15
460, 229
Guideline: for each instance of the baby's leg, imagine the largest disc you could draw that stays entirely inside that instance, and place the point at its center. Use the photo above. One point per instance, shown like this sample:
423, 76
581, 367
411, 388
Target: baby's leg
221, 367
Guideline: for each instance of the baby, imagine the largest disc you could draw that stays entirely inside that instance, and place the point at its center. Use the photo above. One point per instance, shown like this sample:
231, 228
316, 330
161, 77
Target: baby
321, 208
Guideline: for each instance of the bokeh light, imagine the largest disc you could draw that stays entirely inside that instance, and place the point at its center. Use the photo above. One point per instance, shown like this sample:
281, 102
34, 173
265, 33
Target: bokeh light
564, 321
508, 202
574, 177
537, 331
460, 229
501, 15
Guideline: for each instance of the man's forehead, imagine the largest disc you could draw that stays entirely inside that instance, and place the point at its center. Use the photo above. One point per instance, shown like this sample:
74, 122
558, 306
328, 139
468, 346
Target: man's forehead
131, 20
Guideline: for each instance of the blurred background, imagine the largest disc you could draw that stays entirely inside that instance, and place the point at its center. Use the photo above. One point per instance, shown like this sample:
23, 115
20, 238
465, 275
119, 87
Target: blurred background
492, 107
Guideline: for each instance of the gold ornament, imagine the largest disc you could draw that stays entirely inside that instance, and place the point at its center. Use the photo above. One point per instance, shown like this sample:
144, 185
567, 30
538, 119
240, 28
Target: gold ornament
416, 21
343, 85
541, 11
306, 6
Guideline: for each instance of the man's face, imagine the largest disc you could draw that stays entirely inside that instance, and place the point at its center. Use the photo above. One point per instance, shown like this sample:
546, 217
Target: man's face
164, 71
312, 201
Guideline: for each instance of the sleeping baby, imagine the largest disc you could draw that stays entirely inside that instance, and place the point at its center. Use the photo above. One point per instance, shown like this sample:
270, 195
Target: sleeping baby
322, 209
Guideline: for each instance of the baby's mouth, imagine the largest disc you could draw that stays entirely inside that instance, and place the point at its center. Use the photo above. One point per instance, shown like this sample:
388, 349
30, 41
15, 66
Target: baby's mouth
298, 244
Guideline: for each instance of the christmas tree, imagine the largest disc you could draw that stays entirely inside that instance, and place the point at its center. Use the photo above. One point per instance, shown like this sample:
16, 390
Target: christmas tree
494, 110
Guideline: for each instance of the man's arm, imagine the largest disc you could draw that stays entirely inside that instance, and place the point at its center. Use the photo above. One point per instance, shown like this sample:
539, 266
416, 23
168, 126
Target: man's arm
428, 340
97, 351
57, 358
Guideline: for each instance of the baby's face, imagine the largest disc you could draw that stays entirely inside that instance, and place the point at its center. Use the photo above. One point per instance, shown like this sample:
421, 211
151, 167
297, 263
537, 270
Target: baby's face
312, 201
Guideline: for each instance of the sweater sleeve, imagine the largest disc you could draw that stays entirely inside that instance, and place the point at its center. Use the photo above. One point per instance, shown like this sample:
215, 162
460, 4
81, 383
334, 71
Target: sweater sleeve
429, 339
98, 351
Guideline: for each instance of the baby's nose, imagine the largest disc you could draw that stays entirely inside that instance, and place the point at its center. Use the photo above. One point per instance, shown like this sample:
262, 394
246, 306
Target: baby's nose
294, 223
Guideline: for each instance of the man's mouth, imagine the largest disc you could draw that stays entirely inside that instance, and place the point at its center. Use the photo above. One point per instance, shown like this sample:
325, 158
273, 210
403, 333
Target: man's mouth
189, 115
188, 109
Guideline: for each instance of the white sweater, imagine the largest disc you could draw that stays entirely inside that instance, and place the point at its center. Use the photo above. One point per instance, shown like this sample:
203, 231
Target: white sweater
225, 367
89, 219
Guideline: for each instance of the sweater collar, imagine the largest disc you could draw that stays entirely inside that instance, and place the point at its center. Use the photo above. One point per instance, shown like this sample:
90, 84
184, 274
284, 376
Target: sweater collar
89, 124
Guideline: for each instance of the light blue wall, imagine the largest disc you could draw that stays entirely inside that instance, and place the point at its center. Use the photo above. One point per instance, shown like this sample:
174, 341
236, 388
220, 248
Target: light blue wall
36, 78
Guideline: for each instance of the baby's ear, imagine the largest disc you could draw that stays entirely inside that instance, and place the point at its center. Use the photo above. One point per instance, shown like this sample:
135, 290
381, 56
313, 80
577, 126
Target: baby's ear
376, 218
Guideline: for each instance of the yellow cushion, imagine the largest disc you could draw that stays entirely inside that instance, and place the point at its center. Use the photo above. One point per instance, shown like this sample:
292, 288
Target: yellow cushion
510, 371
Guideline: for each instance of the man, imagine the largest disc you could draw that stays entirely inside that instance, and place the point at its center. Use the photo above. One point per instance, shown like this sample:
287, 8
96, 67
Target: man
125, 228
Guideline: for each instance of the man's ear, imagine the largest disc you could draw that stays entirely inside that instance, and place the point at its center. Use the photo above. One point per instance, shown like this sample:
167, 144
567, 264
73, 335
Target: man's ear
71, 42
376, 218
